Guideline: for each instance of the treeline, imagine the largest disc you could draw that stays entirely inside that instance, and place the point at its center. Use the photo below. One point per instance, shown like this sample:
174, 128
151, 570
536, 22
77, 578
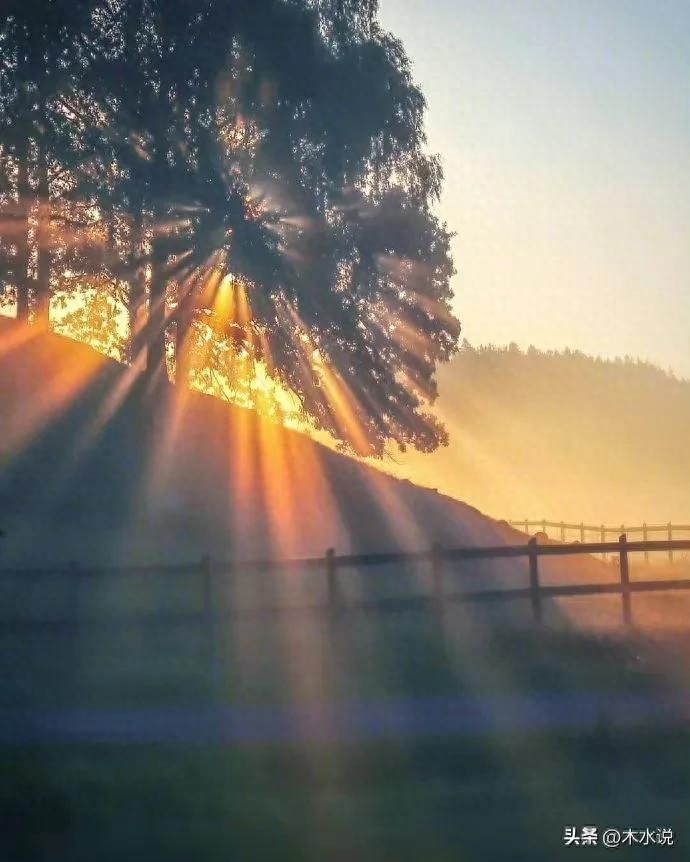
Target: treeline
562, 435
201, 187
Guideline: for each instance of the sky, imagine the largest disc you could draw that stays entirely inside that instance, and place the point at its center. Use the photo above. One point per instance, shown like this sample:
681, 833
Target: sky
564, 129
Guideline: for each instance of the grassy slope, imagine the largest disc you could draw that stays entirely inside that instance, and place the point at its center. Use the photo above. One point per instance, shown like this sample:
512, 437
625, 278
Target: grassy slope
100, 466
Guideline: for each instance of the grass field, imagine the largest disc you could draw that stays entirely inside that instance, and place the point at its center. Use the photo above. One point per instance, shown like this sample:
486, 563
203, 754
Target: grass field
507, 799
265, 663
261, 659
493, 797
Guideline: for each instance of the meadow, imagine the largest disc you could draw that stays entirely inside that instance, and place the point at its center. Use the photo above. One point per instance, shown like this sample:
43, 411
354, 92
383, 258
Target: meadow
486, 795
493, 799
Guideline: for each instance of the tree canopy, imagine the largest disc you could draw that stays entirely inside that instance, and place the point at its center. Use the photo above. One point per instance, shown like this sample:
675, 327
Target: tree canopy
204, 186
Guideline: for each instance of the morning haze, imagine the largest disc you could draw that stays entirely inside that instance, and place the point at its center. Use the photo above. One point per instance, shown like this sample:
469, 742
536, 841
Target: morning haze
564, 130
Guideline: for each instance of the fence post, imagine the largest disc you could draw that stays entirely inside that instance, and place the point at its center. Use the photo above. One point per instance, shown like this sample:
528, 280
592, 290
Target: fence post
543, 526
670, 538
206, 567
437, 582
527, 526
582, 532
625, 580
645, 539
562, 532
331, 582
535, 594
330, 635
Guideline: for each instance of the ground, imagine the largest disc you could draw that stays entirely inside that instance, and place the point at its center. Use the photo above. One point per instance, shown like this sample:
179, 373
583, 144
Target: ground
103, 643
442, 800
477, 796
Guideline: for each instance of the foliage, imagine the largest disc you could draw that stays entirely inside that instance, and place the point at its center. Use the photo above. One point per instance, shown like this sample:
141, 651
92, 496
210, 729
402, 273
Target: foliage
95, 320
258, 168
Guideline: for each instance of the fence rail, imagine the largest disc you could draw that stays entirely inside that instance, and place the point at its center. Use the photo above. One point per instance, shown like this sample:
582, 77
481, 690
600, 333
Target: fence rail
603, 531
332, 567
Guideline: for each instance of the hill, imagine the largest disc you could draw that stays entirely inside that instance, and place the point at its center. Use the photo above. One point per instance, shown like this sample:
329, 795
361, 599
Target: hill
98, 465
561, 436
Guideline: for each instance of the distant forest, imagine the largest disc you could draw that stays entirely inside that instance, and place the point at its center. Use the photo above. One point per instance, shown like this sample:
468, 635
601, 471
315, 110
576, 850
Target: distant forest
561, 436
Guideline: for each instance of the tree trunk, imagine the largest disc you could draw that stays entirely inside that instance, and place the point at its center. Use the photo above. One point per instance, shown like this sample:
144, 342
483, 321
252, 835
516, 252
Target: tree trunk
137, 309
43, 241
22, 270
183, 344
136, 301
186, 306
155, 342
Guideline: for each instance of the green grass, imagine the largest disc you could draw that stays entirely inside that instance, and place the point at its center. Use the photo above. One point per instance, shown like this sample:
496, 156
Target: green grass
269, 659
501, 799
383, 657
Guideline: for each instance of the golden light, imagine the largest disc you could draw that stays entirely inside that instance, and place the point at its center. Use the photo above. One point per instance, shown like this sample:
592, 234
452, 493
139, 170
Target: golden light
46, 404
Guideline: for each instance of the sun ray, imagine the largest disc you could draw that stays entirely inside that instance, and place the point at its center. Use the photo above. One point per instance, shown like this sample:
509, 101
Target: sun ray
47, 402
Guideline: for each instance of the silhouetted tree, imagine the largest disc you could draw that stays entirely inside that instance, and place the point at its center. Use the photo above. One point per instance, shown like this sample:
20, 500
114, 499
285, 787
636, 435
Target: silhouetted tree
260, 174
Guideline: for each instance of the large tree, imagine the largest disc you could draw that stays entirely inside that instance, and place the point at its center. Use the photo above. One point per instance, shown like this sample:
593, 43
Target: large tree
268, 160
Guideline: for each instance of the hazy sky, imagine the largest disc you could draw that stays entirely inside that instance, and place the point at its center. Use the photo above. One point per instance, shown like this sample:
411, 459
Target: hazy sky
564, 127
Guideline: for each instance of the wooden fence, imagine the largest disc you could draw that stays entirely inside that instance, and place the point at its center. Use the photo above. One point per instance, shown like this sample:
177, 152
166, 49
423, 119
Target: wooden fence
332, 567
601, 530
